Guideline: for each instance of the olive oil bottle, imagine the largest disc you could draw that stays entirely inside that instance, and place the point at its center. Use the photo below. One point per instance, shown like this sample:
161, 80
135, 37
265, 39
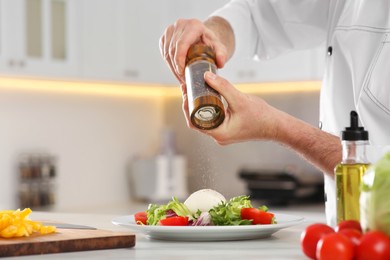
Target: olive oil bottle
205, 105
349, 172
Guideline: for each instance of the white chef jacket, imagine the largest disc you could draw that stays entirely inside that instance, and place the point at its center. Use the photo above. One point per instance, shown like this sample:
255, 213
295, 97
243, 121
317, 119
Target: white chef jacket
357, 71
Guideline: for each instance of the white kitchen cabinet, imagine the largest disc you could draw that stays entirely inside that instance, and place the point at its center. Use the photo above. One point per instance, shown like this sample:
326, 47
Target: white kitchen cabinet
37, 37
102, 44
293, 66
145, 22
120, 39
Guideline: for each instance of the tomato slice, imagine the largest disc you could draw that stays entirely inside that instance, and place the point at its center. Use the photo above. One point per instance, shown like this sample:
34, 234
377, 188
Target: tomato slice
257, 216
141, 218
266, 217
174, 221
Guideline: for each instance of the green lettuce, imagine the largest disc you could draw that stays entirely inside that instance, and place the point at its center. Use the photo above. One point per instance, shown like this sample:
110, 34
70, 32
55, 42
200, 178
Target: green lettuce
229, 213
156, 212
375, 196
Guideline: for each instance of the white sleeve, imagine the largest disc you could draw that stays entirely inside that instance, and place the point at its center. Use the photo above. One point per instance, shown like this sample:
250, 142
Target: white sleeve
267, 28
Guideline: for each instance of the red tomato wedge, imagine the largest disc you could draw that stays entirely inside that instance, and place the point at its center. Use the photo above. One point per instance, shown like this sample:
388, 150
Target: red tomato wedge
174, 221
257, 216
141, 218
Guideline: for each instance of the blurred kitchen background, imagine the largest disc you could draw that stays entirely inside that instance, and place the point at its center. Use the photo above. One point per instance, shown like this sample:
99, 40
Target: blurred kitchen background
91, 119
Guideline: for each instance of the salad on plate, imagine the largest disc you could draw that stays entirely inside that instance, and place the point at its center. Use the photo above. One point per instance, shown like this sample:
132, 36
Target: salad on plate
206, 207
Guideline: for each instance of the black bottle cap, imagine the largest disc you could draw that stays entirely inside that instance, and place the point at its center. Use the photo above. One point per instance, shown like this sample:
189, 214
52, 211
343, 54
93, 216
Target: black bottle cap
354, 132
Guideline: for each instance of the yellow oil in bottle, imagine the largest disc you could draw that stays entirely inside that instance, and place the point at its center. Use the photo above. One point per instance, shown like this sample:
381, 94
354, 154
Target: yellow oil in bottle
348, 179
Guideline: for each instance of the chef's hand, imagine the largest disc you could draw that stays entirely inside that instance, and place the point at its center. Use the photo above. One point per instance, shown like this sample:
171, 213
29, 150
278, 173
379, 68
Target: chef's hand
178, 38
247, 117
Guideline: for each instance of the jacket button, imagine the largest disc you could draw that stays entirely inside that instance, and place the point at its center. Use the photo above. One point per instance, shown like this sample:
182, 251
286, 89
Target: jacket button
330, 51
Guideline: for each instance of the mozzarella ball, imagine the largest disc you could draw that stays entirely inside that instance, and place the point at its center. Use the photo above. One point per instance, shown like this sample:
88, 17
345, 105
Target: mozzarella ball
204, 200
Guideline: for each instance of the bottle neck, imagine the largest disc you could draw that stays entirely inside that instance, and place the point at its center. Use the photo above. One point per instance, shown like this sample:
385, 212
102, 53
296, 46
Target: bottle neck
354, 151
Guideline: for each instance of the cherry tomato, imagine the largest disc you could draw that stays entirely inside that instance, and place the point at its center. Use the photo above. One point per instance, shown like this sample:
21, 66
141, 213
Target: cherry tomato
141, 218
349, 224
310, 237
373, 245
353, 234
174, 221
257, 216
335, 246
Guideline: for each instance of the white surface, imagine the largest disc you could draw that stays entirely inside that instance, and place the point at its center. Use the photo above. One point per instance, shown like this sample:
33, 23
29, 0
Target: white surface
209, 233
284, 244
93, 138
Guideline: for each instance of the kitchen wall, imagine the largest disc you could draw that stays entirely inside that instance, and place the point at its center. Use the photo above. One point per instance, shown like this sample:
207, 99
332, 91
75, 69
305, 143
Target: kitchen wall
92, 136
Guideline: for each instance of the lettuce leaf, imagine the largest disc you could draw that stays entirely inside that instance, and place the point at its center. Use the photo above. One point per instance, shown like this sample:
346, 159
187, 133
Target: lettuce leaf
229, 213
156, 212
375, 196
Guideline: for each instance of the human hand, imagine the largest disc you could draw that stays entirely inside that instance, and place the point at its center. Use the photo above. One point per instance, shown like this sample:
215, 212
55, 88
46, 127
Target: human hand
178, 38
247, 117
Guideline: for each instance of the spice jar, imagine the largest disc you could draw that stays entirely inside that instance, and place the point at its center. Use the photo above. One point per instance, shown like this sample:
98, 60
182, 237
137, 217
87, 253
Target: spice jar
204, 103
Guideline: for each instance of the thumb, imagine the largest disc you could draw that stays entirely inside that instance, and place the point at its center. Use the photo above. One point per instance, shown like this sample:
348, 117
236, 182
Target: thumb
221, 85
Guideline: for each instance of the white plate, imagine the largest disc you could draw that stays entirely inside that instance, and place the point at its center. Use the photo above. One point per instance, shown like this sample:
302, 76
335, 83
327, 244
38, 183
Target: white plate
209, 233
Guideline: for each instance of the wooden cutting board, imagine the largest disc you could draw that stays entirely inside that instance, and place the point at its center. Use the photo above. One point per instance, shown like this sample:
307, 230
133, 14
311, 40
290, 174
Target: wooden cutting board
66, 240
